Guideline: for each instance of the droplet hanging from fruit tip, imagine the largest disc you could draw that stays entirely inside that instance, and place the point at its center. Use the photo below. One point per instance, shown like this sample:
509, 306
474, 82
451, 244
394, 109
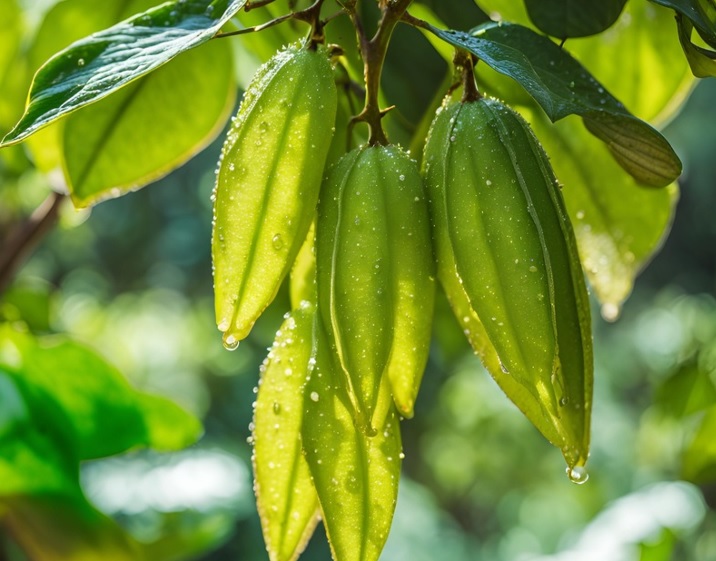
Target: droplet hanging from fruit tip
231, 343
577, 474
610, 311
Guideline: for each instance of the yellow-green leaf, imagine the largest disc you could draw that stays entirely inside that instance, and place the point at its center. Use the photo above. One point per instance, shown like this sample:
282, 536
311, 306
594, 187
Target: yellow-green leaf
150, 127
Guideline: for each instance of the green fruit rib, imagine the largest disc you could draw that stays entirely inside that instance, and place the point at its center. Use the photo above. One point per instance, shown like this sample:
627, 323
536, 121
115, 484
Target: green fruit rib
285, 495
375, 280
508, 261
268, 182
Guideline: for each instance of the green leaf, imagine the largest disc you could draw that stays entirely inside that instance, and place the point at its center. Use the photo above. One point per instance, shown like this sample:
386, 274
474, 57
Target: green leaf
701, 13
699, 459
618, 224
702, 61
13, 72
37, 448
286, 499
106, 415
150, 127
563, 87
64, 23
688, 391
356, 476
573, 18
100, 64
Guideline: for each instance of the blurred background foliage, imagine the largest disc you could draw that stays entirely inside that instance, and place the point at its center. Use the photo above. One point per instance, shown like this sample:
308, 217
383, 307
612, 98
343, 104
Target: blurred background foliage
131, 279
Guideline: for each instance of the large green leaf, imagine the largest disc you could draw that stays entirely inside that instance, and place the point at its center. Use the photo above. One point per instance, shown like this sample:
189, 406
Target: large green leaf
105, 414
286, 499
98, 65
618, 224
356, 475
64, 23
563, 87
150, 127
573, 18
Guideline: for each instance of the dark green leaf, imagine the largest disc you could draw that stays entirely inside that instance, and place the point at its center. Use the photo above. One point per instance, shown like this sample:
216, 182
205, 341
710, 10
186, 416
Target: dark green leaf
573, 18
356, 475
563, 87
699, 460
701, 13
96, 66
702, 61
37, 446
107, 416
643, 33
150, 127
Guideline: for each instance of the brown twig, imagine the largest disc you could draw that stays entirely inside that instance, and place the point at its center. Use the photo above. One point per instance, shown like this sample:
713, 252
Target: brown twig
25, 237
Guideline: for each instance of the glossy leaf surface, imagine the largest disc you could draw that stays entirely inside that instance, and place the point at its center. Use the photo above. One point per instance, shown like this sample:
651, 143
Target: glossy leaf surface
98, 65
563, 87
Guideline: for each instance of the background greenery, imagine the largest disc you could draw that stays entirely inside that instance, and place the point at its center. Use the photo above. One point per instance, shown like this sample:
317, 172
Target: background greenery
132, 279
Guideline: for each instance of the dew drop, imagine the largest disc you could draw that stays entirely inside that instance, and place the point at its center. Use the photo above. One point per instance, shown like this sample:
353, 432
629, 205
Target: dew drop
533, 269
231, 343
277, 242
276, 407
610, 311
314, 396
578, 475
80, 62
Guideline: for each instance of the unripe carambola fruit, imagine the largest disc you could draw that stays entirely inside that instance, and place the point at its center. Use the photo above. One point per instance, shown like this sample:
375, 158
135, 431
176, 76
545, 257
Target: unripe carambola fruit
268, 183
375, 281
505, 248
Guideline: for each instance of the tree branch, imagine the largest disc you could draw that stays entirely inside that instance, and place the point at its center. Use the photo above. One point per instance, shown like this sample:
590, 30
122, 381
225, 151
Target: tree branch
26, 236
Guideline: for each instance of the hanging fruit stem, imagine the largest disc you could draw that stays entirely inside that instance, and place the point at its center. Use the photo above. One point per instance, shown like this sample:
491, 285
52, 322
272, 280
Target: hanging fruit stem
373, 51
465, 66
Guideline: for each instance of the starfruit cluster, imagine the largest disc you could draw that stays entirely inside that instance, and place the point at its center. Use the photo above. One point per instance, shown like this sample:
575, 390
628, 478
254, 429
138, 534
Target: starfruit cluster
364, 240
